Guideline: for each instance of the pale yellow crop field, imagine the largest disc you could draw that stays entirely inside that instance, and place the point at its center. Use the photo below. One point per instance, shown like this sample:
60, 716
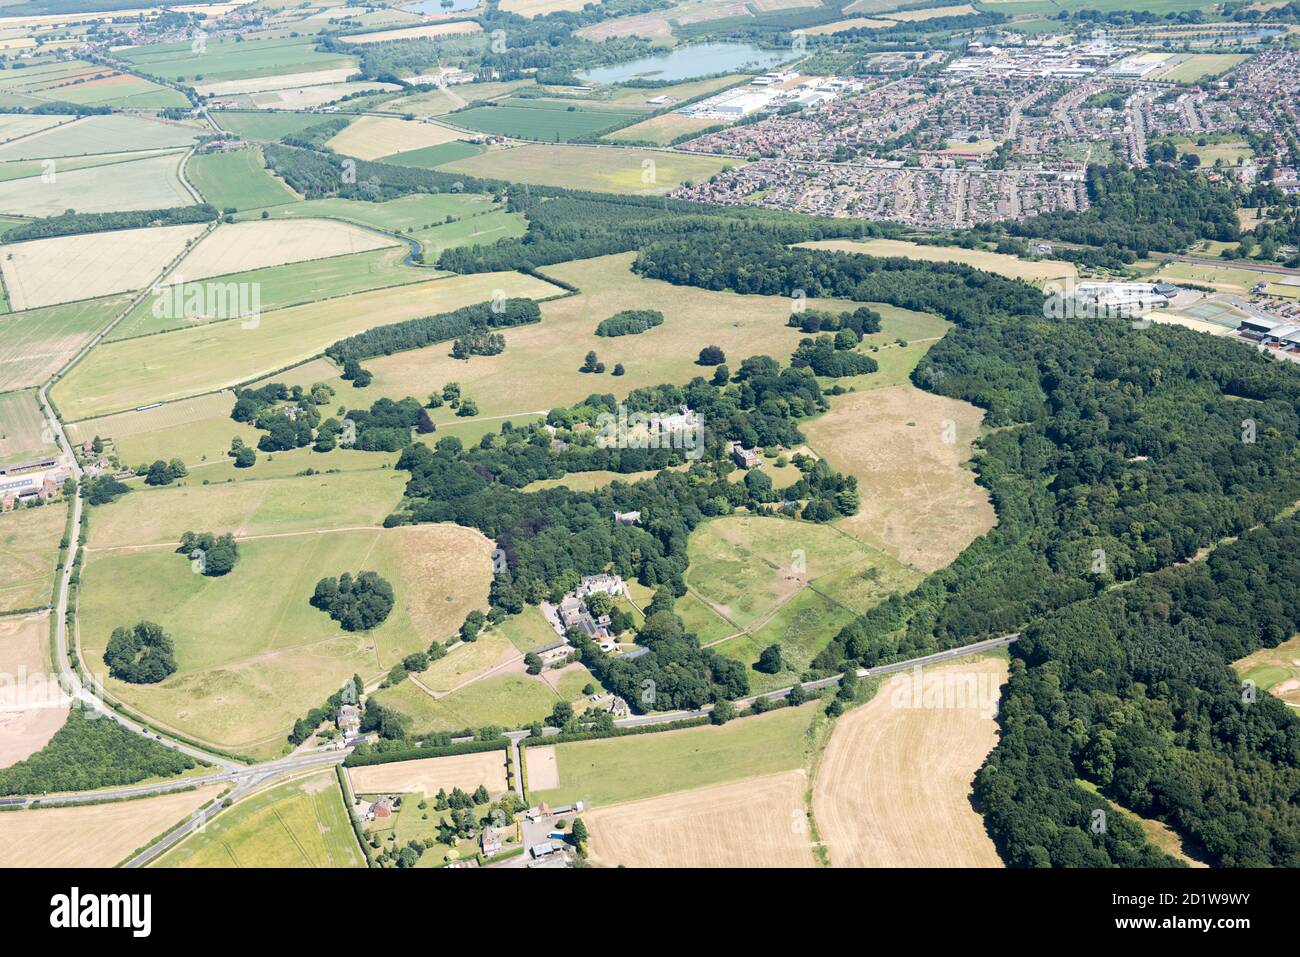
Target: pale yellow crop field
413, 33
282, 82
756, 822
920, 503
893, 788
371, 137
429, 775
151, 183
97, 835
239, 247
1000, 263
42, 272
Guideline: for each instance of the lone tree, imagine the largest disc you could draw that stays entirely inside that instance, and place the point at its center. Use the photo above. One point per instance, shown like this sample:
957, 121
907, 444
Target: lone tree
712, 356
140, 655
357, 604
770, 661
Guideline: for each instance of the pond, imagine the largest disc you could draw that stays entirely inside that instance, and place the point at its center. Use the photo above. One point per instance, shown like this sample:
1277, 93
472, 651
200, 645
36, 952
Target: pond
690, 62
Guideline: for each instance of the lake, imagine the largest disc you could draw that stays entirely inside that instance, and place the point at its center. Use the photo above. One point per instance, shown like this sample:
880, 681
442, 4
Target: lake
690, 62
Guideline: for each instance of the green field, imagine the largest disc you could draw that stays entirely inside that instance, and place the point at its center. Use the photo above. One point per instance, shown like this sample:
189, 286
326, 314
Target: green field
479, 230
421, 211
98, 135
301, 823
614, 770
511, 700
432, 156
23, 431
264, 124
150, 183
123, 91
1202, 66
226, 59
236, 180
253, 655
158, 516
604, 169
545, 120
282, 286
29, 550
36, 343
172, 365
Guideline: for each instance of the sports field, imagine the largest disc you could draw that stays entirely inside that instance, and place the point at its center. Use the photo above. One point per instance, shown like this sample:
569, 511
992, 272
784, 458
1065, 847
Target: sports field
758, 822
371, 137
259, 244
893, 787
236, 180
24, 433
1000, 263
152, 183
253, 655
616, 770
95, 835
36, 344
428, 776
908, 449
29, 550
215, 356
42, 272
545, 120
1201, 66
302, 823
604, 169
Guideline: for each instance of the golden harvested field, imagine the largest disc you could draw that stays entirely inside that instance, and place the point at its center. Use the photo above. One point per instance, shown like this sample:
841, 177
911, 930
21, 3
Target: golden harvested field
920, 503
893, 787
173, 365
31, 708
956, 10
853, 23
1000, 263
757, 822
428, 775
67, 268
371, 137
98, 835
239, 247
412, 33
29, 549
537, 8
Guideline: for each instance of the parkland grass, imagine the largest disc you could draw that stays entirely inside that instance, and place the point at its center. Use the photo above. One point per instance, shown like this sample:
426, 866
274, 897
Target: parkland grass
237, 180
